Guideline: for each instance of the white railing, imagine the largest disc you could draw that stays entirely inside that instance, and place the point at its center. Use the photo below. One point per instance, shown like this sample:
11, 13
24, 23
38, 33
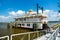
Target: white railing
52, 37
11, 36
54, 34
25, 34
5, 37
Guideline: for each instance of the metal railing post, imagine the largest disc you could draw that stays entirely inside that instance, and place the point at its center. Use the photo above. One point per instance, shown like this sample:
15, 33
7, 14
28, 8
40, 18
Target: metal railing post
37, 34
11, 37
8, 38
28, 36
54, 34
59, 29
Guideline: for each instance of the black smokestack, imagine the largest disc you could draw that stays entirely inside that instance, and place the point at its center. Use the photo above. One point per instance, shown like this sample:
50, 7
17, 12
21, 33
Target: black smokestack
37, 8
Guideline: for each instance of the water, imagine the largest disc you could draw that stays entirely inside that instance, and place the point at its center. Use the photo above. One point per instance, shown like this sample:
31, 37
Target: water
50, 24
3, 29
3, 25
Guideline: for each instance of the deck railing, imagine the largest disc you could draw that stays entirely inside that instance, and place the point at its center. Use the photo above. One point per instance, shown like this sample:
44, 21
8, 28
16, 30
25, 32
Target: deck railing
52, 37
4, 37
28, 33
54, 34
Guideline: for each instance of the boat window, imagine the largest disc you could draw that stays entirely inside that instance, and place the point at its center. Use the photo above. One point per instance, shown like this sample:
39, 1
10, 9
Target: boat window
22, 24
19, 24
20, 19
28, 24
24, 19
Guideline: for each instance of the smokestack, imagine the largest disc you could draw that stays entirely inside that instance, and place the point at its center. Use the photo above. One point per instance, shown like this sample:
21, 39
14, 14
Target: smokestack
37, 8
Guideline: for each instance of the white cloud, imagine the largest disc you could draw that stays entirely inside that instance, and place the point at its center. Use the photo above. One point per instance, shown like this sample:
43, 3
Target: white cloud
12, 15
52, 15
20, 12
58, 15
4, 17
40, 11
17, 13
45, 11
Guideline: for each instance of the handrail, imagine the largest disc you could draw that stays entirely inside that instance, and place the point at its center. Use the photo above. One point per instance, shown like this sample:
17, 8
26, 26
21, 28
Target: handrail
25, 33
10, 37
54, 34
5, 37
52, 37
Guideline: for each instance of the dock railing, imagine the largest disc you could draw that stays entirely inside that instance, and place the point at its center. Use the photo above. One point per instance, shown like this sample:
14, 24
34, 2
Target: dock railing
54, 34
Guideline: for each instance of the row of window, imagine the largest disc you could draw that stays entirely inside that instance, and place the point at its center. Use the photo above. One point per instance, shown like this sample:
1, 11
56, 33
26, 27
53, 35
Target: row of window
24, 24
20, 19
24, 19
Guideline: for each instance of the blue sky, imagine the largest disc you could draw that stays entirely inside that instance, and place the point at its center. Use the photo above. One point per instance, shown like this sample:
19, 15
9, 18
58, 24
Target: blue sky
9, 6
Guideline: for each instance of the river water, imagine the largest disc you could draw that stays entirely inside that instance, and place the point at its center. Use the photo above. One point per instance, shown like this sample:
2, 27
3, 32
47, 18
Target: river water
3, 29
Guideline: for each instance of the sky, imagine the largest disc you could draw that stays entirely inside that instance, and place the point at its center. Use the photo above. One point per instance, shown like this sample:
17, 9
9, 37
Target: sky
9, 9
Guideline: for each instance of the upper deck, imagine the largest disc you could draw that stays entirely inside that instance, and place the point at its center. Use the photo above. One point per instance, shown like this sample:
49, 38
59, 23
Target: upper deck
32, 18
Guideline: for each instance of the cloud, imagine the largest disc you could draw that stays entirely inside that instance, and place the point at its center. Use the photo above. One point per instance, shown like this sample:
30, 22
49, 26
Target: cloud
45, 11
12, 15
4, 17
17, 13
52, 15
58, 15
20, 12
